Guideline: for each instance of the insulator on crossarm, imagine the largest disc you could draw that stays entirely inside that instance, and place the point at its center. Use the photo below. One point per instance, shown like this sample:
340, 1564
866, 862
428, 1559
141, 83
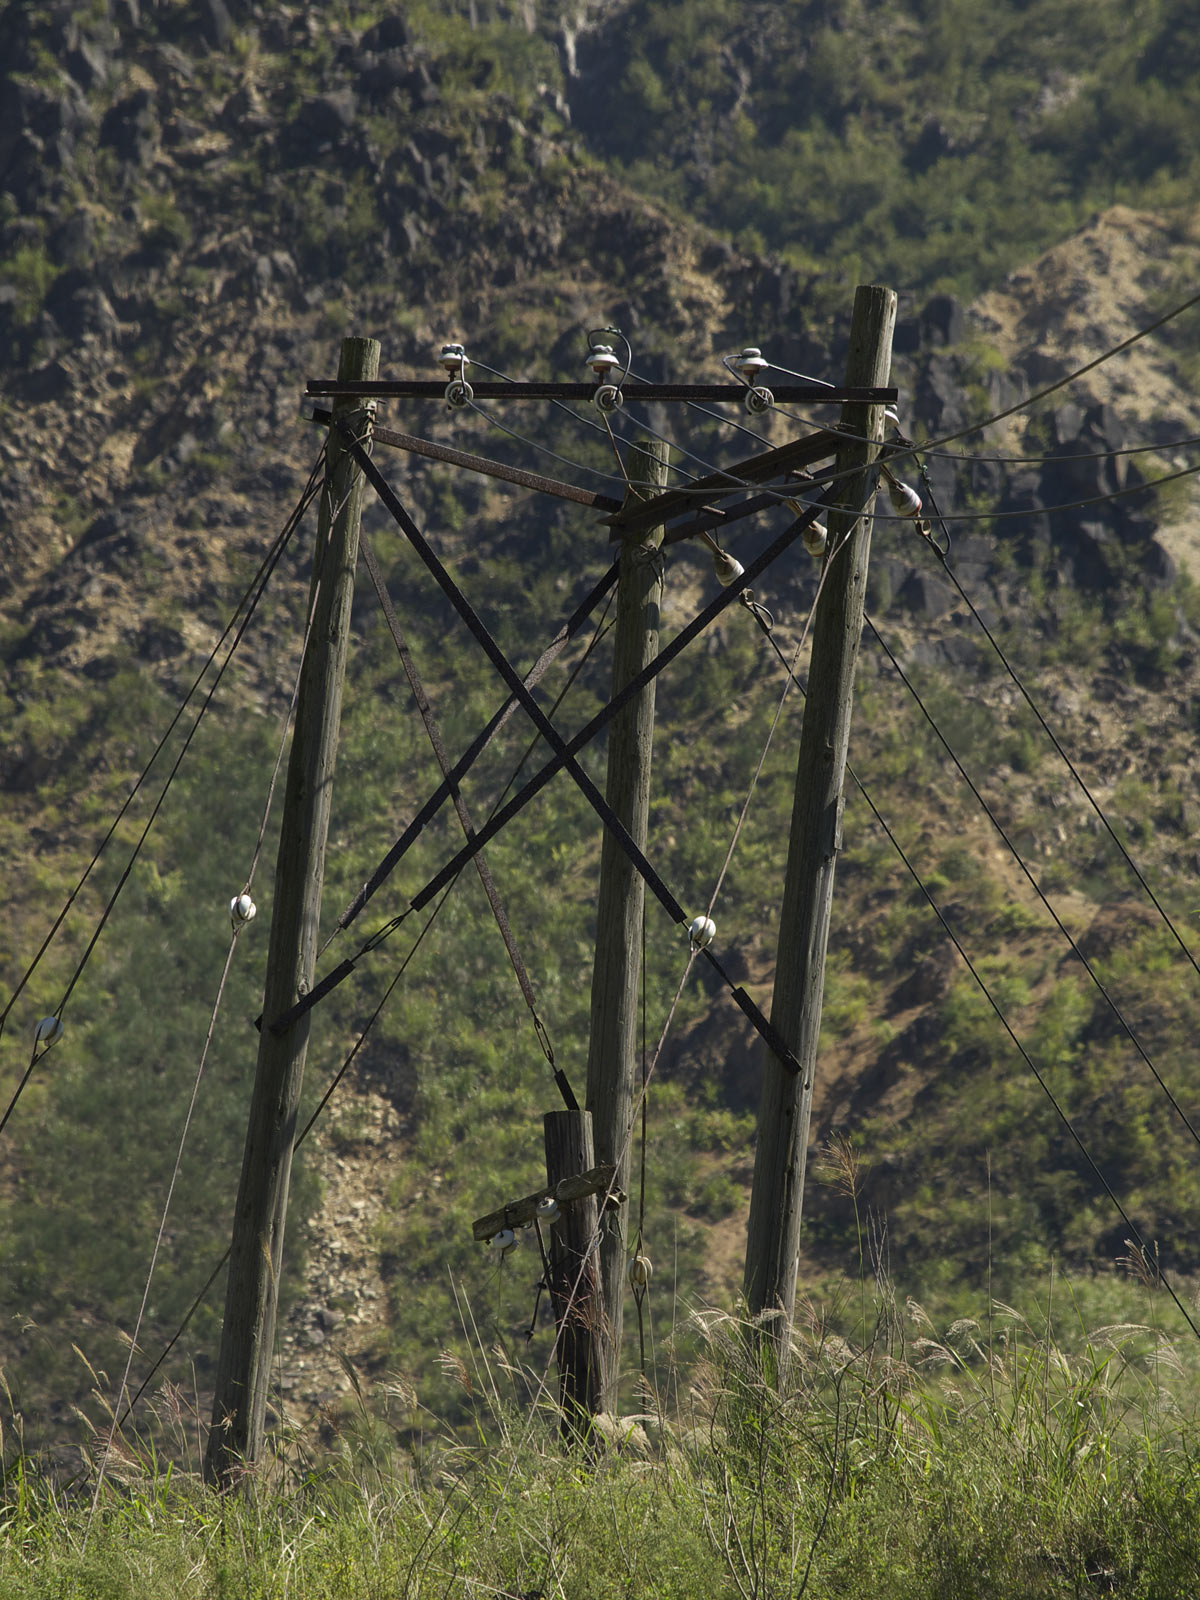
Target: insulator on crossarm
548, 1210
750, 364
603, 361
454, 359
505, 1240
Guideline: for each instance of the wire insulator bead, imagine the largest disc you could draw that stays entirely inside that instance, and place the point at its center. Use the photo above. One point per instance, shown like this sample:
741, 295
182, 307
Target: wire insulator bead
702, 933
242, 910
48, 1031
548, 1210
639, 1272
758, 400
505, 1240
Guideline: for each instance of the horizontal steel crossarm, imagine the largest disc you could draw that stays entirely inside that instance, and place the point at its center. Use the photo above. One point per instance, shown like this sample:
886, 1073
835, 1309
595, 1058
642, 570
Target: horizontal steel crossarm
794, 394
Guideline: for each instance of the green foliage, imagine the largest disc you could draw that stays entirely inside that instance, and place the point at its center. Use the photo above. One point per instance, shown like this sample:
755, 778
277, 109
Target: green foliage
1032, 1452
925, 144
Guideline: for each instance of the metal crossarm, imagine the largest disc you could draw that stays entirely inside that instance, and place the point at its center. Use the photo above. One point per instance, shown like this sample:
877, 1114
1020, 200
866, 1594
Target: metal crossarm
796, 394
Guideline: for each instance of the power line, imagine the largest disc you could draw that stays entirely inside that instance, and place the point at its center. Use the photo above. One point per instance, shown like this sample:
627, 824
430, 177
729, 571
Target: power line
298, 512
1050, 734
993, 1003
262, 578
1037, 888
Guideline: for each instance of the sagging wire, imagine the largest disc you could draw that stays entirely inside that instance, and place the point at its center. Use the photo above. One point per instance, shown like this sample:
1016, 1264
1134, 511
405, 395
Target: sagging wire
995, 1006
242, 911
297, 514
50, 1030
1046, 728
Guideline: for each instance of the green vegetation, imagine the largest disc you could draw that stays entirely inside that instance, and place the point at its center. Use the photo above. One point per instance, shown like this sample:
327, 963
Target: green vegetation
994, 1456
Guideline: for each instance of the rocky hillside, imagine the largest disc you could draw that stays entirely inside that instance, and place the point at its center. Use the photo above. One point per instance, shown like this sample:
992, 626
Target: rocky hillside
198, 201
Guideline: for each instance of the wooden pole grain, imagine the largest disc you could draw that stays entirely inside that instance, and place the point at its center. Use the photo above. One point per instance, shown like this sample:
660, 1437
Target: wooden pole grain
776, 1204
256, 1256
612, 1072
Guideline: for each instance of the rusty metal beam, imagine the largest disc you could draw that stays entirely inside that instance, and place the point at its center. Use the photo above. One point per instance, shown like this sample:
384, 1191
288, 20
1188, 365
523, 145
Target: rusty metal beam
489, 468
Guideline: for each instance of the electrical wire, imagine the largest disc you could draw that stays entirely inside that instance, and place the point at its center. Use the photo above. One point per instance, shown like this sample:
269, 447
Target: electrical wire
1060, 383
1050, 734
298, 513
542, 449
262, 578
238, 928
1030, 1063
1031, 513
1037, 888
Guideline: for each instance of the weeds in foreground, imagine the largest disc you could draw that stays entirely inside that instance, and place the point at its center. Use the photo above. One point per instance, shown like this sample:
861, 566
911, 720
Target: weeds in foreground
1007, 1456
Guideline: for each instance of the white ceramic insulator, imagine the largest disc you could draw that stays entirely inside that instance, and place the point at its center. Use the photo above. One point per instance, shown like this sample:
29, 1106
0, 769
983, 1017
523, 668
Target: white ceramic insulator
639, 1271
702, 932
504, 1240
816, 537
242, 910
905, 499
48, 1030
548, 1209
727, 568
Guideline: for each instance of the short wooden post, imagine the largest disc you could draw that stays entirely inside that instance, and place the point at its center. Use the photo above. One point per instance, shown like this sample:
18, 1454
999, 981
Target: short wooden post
776, 1203
612, 1052
573, 1249
256, 1256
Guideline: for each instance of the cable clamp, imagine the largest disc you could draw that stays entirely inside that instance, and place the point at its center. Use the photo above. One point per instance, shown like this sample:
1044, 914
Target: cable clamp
385, 932
757, 610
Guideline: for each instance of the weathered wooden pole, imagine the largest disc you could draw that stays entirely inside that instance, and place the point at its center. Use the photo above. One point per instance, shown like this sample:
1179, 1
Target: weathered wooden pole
573, 1252
256, 1256
773, 1239
612, 1053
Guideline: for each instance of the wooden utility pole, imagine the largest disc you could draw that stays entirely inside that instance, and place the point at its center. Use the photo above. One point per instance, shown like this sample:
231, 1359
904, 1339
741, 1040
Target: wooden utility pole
574, 1278
612, 1051
773, 1241
256, 1256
